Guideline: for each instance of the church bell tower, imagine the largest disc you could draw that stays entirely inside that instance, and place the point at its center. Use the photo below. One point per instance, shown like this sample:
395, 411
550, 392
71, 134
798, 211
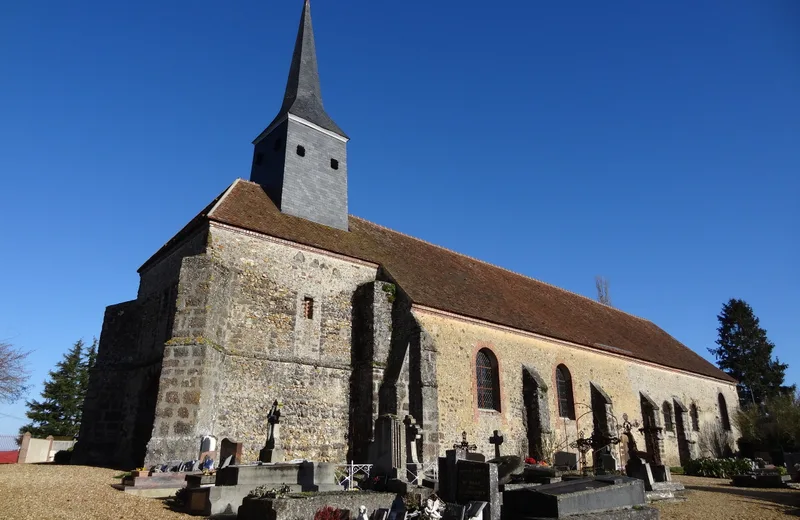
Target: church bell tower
300, 159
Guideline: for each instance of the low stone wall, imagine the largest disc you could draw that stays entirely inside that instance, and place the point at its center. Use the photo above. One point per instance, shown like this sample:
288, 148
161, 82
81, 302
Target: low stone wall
304, 507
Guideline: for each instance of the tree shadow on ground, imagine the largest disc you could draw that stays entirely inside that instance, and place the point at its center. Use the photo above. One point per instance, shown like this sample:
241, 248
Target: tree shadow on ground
789, 499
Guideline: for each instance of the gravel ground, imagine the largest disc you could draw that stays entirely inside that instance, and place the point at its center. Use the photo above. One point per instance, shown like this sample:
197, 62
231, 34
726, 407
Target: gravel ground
716, 499
49, 492
45, 492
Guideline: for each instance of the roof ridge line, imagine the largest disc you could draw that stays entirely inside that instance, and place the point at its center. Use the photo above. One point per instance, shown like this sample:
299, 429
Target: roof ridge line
502, 268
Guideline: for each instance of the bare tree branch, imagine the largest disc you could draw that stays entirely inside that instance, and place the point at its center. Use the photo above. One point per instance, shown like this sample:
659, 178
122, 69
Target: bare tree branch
13, 372
603, 295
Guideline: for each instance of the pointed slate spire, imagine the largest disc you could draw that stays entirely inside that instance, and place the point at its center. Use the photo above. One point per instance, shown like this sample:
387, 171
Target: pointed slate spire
303, 97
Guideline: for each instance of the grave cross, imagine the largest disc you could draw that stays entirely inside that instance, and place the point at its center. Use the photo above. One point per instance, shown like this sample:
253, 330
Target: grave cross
466, 446
413, 433
497, 440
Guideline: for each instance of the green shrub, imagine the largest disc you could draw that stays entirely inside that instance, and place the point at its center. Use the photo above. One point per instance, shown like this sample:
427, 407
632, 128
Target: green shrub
717, 468
676, 470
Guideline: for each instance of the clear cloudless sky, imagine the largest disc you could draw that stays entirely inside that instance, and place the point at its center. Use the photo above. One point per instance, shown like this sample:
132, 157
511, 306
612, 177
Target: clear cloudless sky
654, 143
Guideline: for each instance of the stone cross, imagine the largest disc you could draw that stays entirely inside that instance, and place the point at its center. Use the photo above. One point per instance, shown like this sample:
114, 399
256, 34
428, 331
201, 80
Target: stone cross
497, 440
413, 432
273, 433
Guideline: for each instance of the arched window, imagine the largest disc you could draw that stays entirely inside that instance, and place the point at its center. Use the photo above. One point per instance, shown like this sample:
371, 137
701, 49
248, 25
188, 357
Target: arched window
566, 403
488, 380
723, 413
695, 417
666, 409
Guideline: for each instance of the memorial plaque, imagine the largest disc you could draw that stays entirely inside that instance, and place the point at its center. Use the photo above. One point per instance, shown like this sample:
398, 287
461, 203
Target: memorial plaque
477, 482
473, 481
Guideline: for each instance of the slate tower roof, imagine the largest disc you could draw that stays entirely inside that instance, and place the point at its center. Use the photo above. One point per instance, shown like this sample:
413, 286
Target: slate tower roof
300, 159
303, 97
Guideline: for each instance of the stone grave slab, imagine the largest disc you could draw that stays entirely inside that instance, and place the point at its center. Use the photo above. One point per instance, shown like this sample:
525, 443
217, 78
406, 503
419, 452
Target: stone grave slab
235, 482
574, 497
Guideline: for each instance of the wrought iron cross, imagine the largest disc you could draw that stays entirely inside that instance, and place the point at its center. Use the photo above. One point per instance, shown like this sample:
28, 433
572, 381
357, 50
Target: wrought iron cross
466, 446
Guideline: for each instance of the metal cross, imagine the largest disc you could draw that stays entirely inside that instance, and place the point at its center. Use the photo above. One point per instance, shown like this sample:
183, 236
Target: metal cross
466, 446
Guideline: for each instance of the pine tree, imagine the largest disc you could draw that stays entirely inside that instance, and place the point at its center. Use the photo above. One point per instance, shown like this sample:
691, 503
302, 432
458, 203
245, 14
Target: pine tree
745, 353
59, 412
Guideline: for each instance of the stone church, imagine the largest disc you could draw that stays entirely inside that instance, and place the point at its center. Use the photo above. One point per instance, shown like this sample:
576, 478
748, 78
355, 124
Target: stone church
274, 291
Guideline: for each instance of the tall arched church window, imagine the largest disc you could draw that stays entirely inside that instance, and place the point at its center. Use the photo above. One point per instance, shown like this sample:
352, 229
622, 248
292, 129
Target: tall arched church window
566, 403
723, 413
488, 380
695, 417
666, 409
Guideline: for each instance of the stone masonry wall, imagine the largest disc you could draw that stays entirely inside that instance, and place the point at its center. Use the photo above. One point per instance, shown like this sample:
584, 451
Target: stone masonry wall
272, 351
457, 342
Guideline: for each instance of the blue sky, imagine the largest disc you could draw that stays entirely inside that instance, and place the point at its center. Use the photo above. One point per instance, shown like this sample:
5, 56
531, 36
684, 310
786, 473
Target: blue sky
654, 143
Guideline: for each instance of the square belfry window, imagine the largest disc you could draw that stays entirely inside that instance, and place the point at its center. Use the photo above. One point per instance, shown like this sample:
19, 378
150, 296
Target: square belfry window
308, 308
334, 164
301, 151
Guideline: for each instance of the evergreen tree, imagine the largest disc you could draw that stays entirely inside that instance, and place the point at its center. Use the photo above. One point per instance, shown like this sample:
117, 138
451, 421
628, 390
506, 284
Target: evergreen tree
59, 412
745, 353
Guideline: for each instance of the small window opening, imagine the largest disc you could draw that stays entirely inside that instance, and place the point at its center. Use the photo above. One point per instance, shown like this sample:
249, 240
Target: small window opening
301, 151
278, 145
308, 308
334, 164
695, 417
666, 409
259, 158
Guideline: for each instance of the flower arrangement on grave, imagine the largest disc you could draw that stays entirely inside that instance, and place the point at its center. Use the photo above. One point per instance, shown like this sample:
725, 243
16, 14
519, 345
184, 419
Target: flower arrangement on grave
433, 509
534, 462
329, 513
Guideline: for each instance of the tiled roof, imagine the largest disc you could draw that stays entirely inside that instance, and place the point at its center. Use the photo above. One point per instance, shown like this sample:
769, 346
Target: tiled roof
436, 277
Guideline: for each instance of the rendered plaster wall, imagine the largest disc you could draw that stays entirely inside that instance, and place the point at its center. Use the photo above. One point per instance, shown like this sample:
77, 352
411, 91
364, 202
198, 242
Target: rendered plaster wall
457, 343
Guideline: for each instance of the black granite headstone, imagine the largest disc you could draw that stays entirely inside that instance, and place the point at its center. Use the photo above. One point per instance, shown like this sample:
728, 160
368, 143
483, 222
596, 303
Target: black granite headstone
477, 481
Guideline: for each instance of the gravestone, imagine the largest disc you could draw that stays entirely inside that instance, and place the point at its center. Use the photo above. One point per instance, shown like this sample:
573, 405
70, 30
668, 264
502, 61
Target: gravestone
638, 468
507, 467
608, 463
565, 460
208, 443
478, 482
390, 444
273, 449
228, 448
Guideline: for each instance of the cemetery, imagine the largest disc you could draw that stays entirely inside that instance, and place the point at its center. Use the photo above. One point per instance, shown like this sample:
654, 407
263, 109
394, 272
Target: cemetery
464, 484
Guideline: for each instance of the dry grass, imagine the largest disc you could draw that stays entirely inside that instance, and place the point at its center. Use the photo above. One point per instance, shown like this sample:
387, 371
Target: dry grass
716, 499
45, 491
33, 491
